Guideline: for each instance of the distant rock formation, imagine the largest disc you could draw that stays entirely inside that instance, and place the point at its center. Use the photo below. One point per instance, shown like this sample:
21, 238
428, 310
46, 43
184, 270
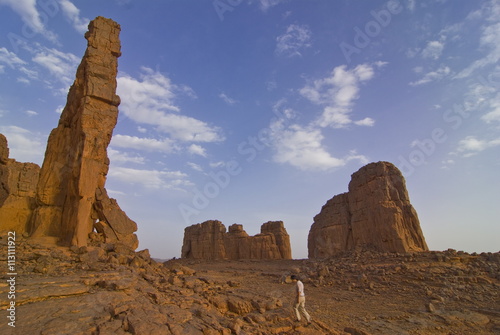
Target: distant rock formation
66, 200
209, 240
17, 191
376, 213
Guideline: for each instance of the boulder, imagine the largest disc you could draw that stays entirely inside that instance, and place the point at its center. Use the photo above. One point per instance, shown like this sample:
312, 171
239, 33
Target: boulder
376, 213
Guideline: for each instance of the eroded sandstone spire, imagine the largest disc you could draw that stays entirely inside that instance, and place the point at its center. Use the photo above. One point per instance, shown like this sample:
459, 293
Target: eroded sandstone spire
376, 213
76, 161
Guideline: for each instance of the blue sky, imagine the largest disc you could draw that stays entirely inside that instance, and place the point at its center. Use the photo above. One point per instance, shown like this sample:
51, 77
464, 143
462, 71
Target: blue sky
249, 111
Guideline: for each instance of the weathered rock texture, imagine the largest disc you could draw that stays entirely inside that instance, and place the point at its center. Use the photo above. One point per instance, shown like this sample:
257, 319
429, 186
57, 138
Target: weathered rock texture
70, 193
376, 213
209, 240
17, 191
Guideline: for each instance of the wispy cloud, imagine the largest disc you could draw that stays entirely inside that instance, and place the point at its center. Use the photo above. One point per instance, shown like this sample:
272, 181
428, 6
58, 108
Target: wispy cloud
489, 40
10, 59
30, 113
226, 99
24, 145
164, 145
433, 50
303, 147
72, 14
471, 145
338, 92
196, 149
293, 41
30, 15
439, 74
151, 99
493, 114
61, 65
151, 179
195, 166
116, 156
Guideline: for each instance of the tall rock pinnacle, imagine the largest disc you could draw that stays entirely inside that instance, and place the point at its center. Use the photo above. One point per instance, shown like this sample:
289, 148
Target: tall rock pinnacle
70, 194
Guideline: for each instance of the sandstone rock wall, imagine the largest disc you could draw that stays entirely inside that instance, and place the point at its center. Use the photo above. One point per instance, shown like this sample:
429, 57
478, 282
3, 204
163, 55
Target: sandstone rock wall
17, 191
209, 240
204, 241
376, 213
277, 229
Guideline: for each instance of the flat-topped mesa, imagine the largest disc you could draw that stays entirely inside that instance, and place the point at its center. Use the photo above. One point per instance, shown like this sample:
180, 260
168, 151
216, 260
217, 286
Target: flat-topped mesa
70, 194
209, 240
376, 214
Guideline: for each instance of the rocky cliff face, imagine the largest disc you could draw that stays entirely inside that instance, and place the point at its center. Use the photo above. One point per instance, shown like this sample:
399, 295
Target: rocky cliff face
376, 213
209, 240
66, 200
17, 191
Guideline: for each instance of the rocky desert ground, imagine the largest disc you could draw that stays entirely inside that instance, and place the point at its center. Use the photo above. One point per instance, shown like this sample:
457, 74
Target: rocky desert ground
100, 289
101, 286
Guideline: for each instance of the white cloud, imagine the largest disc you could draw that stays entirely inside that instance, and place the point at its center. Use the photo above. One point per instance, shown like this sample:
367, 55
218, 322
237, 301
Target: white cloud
266, 4
195, 166
61, 65
152, 179
151, 100
29, 14
302, 148
433, 50
295, 39
116, 156
489, 40
219, 164
72, 13
367, 121
147, 144
227, 99
338, 92
196, 149
10, 58
24, 145
30, 113
439, 74
471, 146
494, 114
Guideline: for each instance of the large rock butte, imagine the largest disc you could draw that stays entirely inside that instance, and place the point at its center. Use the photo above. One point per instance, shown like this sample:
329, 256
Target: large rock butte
209, 240
376, 214
66, 200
